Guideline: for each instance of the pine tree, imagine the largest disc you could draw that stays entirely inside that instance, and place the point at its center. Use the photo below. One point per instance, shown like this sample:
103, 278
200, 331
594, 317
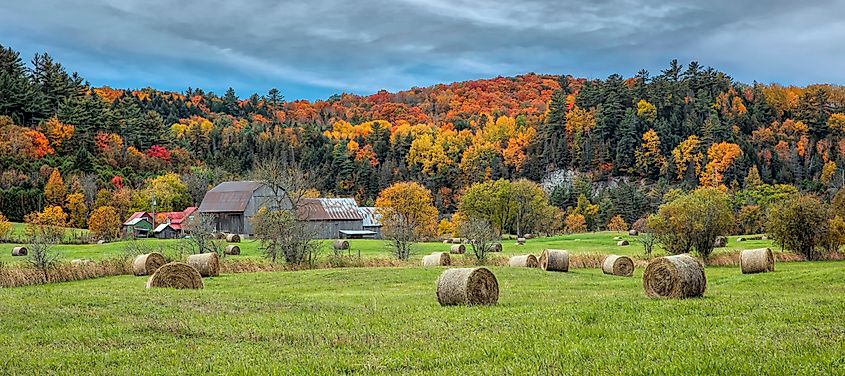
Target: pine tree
627, 144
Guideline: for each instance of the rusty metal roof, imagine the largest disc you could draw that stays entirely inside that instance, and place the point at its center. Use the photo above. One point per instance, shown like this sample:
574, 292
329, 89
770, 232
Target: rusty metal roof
371, 218
231, 196
330, 209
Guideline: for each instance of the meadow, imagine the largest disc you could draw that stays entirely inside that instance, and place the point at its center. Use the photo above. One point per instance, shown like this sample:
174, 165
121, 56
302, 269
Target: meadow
387, 321
601, 243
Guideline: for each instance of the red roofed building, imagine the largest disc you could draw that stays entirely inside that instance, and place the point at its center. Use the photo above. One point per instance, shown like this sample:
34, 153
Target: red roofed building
172, 224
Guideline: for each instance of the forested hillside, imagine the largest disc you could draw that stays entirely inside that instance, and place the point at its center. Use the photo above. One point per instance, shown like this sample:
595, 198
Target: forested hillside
684, 126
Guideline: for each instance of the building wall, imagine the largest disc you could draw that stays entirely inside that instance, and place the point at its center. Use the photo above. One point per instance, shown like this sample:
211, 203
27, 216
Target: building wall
229, 222
376, 229
330, 229
167, 233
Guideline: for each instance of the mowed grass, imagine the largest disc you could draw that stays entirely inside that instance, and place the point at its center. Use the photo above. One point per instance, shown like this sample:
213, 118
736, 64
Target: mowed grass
387, 321
587, 243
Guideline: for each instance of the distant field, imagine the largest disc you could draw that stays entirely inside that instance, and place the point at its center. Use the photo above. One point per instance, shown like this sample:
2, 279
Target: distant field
597, 243
387, 321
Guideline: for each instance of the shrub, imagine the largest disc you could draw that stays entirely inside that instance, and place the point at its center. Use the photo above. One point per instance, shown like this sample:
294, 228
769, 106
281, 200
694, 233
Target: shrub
617, 223
801, 225
575, 223
693, 220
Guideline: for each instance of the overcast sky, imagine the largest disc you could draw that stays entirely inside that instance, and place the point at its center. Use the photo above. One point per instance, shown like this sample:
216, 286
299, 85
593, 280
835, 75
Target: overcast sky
312, 49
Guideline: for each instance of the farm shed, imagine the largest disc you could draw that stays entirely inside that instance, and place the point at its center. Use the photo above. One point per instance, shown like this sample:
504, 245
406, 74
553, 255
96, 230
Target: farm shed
138, 225
371, 220
166, 231
233, 204
331, 215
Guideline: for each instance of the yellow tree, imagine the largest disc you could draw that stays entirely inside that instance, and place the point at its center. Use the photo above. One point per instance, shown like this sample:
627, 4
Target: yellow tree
720, 157
57, 132
77, 209
646, 111
54, 191
688, 155
408, 215
649, 160
836, 122
617, 223
104, 223
828, 170
5, 226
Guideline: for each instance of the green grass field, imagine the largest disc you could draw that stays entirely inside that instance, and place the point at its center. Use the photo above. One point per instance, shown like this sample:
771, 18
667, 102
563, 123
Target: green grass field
597, 243
387, 321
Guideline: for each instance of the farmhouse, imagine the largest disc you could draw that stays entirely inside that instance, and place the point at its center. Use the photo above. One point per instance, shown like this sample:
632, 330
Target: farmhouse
333, 217
138, 225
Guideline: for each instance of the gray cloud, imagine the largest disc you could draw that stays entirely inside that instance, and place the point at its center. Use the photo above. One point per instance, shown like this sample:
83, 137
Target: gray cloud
319, 47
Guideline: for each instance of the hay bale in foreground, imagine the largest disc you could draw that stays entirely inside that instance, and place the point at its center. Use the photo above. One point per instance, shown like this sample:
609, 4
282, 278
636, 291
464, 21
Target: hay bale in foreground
554, 260
233, 238
495, 247
148, 263
520, 241
633, 232
759, 260
467, 286
618, 265
19, 251
720, 242
622, 243
232, 250
458, 249
680, 276
176, 275
218, 235
437, 259
340, 244
207, 264
524, 261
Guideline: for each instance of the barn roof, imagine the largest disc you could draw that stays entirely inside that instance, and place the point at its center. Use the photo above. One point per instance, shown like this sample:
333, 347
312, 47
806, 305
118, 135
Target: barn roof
330, 209
231, 196
136, 217
371, 218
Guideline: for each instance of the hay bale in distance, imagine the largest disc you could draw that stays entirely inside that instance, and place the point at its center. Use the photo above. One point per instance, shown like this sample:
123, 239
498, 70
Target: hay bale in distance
720, 242
456, 241
447, 241
232, 250
148, 263
680, 276
81, 262
618, 265
759, 260
19, 251
340, 244
467, 286
176, 275
520, 241
207, 264
622, 242
617, 238
437, 259
233, 238
458, 249
495, 247
633, 232
554, 260
524, 261
529, 236
740, 239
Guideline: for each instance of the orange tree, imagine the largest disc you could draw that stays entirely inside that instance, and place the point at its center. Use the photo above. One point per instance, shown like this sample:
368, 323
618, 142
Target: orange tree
408, 215
104, 223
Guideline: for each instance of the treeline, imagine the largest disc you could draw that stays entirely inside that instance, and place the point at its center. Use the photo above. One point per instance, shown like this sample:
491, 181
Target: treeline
685, 127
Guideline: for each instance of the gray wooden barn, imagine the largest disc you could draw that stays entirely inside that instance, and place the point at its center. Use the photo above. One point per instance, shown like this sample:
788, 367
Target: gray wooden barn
233, 204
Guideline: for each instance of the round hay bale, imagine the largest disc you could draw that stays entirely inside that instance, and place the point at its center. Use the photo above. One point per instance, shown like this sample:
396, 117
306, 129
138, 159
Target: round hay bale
495, 247
101, 241
622, 243
759, 260
720, 242
232, 250
555, 260
523, 261
437, 259
447, 241
340, 244
207, 264
458, 249
618, 265
148, 263
176, 275
520, 241
19, 251
456, 240
529, 236
467, 286
740, 239
617, 238
233, 238
680, 276
633, 232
